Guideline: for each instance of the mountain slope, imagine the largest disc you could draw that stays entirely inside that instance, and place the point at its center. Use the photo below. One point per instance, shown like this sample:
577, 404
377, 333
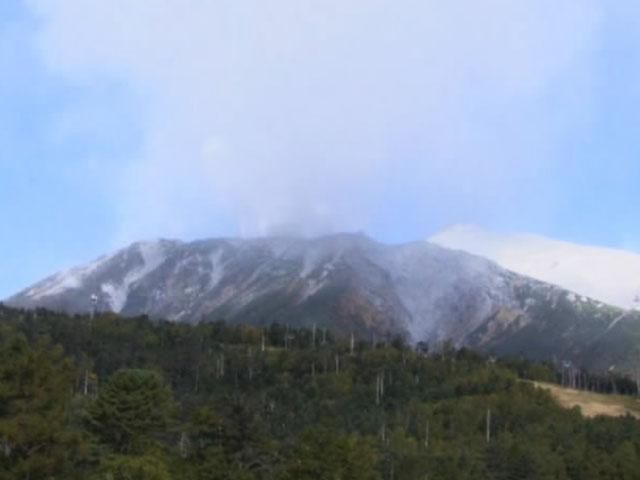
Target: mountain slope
329, 280
609, 275
349, 283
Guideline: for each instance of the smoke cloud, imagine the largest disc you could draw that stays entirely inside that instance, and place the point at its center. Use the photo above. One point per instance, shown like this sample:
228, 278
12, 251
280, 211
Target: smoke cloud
263, 116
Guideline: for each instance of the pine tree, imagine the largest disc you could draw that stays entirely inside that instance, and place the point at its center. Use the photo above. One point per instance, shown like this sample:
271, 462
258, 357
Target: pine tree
35, 385
132, 406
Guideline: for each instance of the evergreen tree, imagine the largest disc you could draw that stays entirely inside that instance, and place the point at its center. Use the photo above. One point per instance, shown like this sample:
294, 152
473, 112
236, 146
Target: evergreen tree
35, 386
132, 406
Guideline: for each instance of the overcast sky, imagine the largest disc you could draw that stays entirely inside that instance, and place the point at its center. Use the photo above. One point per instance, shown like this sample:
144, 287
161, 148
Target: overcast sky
123, 120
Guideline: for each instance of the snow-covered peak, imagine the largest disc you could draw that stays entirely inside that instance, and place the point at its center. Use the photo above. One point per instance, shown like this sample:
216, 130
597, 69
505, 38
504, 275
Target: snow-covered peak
123, 268
609, 275
66, 280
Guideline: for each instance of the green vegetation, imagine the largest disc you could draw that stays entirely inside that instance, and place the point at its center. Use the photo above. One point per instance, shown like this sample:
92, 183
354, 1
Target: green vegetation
111, 398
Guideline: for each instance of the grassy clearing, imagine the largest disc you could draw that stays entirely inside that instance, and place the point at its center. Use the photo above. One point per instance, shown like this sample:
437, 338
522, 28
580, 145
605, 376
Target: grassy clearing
594, 404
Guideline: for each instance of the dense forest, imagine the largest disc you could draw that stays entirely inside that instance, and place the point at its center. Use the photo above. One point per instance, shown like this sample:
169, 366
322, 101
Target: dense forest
113, 399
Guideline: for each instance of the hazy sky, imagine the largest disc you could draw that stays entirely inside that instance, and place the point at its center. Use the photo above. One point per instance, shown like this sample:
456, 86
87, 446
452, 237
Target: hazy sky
122, 120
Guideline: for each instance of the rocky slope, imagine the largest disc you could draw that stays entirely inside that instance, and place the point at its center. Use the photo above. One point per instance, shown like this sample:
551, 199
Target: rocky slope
352, 284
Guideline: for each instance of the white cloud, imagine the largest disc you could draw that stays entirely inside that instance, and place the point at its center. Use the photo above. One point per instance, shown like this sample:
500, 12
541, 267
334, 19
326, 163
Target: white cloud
305, 114
605, 274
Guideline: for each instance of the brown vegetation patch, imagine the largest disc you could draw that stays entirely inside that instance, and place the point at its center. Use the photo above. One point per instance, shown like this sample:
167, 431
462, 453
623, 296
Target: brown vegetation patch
593, 404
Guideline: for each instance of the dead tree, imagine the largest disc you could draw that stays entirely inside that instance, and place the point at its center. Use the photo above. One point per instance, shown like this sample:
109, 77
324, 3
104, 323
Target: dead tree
488, 425
313, 336
426, 435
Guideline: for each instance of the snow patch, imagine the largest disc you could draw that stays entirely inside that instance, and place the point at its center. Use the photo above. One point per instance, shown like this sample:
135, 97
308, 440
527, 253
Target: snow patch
64, 281
615, 321
153, 255
609, 275
117, 295
312, 287
310, 262
217, 268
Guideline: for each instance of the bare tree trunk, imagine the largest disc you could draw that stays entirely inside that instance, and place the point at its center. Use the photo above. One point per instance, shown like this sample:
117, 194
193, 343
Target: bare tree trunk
286, 338
488, 425
221, 365
426, 435
313, 337
6, 447
85, 389
183, 445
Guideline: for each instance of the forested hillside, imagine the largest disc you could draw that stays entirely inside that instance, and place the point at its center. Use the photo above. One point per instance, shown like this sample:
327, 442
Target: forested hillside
111, 398
349, 283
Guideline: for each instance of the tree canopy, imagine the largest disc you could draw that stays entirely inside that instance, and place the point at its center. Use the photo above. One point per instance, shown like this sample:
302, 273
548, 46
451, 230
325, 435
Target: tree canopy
113, 398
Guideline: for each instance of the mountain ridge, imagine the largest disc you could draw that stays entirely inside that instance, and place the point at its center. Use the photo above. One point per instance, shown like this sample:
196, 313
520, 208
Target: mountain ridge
349, 283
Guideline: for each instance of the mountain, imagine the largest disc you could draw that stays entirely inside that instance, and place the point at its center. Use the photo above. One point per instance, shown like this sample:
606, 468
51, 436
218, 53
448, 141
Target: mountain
349, 283
609, 275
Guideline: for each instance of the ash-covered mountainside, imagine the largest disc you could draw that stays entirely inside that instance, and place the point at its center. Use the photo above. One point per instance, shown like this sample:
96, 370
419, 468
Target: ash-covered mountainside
349, 283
